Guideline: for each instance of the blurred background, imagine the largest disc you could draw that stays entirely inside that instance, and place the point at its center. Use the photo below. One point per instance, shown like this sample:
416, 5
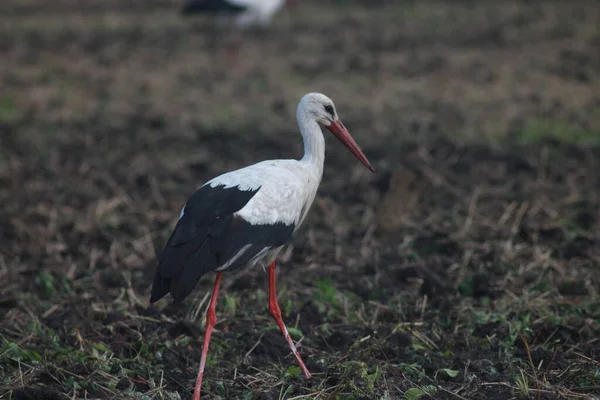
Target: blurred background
465, 267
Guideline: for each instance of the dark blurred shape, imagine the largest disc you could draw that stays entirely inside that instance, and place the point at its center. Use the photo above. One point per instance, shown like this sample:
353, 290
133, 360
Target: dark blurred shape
211, 7
35, 394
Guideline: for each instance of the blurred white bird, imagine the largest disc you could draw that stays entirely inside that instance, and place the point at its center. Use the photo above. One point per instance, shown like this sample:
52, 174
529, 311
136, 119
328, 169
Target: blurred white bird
246, 12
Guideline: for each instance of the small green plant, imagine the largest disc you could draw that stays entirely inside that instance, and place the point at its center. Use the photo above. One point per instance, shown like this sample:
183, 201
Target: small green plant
8, 109
452, 373
231, 302
522, 383
15, 352
46, 281
417, 392
412, 371
325, 290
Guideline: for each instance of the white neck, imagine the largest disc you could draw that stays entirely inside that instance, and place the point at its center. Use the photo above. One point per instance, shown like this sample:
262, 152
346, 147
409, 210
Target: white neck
314, 142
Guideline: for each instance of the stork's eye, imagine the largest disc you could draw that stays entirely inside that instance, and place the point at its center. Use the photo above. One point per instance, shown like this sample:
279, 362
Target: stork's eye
329, 109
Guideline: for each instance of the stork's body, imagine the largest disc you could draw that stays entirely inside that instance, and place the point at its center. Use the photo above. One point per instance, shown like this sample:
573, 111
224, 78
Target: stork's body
245, 217
254, 212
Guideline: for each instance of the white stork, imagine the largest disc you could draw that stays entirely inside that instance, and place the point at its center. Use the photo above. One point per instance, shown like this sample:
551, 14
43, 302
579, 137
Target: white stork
244, 217
247, 12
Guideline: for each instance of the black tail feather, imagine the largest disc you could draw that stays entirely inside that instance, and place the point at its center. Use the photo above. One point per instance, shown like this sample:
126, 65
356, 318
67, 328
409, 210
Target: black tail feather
181, 266
160, 287
201, 263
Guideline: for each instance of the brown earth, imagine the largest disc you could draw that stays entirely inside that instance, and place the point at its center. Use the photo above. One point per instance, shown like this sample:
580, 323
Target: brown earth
466, 267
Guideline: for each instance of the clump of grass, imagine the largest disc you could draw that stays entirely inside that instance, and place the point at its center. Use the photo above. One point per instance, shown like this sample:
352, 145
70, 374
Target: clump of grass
538, 131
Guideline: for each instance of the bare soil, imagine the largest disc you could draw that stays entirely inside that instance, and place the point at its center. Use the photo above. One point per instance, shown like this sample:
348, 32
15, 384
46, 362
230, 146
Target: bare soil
466, 267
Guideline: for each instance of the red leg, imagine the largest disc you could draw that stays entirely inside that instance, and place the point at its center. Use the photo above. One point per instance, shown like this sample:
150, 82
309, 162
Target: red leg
276, 313
211, 320
231, 53
232, 46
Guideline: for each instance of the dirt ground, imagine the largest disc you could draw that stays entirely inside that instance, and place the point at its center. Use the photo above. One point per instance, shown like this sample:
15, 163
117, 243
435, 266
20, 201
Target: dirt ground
466, 267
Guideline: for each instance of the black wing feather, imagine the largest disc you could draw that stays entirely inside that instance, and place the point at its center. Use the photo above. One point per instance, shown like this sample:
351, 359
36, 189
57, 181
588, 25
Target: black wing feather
207, 236
187, 255
241, 233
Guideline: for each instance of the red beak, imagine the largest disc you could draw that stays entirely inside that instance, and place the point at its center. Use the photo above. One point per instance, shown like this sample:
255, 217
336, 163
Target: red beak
340, 132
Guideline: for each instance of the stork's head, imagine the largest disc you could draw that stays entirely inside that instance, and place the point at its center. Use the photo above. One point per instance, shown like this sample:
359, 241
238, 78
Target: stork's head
320, 108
